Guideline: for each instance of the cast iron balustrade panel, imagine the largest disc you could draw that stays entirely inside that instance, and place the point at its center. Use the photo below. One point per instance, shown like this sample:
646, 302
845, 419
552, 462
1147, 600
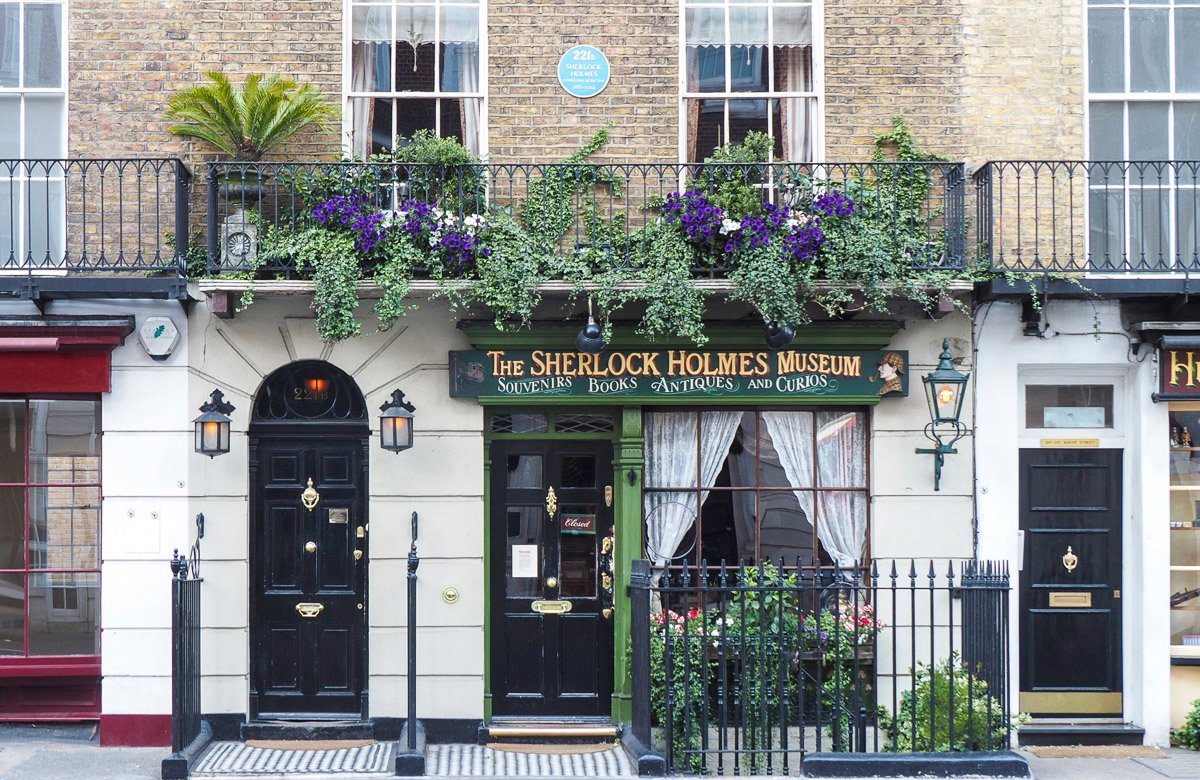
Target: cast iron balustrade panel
246, 201
744, 670
89, 227
1100, 218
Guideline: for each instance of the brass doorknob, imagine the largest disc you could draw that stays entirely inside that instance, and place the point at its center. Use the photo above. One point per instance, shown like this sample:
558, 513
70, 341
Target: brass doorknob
310, 547
552, 582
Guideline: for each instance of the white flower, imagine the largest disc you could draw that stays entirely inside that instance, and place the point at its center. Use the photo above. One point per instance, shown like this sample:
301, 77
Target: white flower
473, 221
729, 225
451, 219
433, 240
793, 223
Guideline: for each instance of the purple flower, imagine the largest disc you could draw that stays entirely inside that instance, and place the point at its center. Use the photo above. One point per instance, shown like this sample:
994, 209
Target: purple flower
357, 214
834, 204
700, 220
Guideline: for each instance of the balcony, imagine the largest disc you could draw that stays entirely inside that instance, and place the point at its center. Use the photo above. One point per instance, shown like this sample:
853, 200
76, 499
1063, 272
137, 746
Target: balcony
608, 205
1121, 229
91, 228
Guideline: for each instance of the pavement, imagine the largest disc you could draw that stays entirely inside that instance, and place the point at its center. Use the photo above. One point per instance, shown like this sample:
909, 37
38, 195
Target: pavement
73, 752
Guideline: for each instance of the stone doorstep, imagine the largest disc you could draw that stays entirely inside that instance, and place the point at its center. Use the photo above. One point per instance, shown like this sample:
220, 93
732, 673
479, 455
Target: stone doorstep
847, 765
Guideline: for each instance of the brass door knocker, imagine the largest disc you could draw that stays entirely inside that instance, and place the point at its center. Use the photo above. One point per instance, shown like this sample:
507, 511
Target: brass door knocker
1070, 560
310, 497
551, 502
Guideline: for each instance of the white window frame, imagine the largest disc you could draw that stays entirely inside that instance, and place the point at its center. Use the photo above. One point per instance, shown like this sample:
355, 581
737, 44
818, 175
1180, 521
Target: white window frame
1124, 98
20, 179
817, 94
347, 66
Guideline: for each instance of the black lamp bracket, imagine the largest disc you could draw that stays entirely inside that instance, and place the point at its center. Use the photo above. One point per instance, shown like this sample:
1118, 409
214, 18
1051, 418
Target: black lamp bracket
944, 441
217, 403
397, 399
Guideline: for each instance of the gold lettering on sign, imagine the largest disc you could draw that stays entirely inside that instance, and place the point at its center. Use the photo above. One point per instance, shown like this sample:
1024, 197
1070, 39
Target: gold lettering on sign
1187, 366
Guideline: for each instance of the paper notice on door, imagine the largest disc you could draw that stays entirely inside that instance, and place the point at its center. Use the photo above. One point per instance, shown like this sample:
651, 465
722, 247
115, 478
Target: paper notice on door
524, 560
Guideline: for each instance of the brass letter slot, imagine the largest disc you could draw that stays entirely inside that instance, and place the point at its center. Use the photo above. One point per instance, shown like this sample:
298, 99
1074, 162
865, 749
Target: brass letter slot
551, 607
1071, 599
309, 610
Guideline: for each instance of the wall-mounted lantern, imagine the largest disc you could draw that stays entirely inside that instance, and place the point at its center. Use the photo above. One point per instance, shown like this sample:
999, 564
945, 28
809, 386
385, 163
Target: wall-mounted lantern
213, 425
396, 423
945, 390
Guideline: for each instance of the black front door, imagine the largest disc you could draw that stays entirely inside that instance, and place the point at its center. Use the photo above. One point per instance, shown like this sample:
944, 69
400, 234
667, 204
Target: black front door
1071, 582
308, 576
552, 643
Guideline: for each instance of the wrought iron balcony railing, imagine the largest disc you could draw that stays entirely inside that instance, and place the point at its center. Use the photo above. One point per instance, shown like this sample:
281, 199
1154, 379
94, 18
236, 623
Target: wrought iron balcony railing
1095, 217
610, 204
93, 216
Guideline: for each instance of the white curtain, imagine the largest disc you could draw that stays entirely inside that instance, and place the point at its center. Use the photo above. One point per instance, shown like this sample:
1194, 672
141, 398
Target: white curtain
842, 527
794, 66
671, 461
748, 26
741, 474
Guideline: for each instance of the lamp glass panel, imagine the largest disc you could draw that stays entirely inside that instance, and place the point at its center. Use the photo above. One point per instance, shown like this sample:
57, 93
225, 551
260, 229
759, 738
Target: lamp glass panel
945, 396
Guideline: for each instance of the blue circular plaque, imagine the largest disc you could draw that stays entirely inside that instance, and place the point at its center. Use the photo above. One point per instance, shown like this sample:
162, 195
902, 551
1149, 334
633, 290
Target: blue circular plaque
583, 71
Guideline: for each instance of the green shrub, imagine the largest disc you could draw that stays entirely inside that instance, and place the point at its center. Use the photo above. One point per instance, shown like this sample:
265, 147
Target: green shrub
979, 720
1188, 735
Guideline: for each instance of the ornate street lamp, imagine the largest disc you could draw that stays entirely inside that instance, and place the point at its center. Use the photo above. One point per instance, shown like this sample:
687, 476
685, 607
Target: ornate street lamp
945, 390
396, 423
213, 424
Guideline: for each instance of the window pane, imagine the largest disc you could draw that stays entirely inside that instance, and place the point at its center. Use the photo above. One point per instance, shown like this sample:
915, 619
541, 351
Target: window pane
524, 525
371, 49
785, 449
1187, 207
525, 471
841, 449
1187, 132
577, 471
9, 249
1149, 51
706, 127
12, 614
744, 116
1106, 122
12, 528
64, 528
44, 137
842, 525
793, 69
785, 526
371, 119
460, 49
1187, 64
748, 50
577, 553
12, 441
64, 614
1148, 228
10, 136
1106, 50
43, 52
792, 26
68, 431
414, 115
45, 221
705, 49
9, 45
461, 120
1068, 406
1148, 131
669, 448
415, 37
1106, 238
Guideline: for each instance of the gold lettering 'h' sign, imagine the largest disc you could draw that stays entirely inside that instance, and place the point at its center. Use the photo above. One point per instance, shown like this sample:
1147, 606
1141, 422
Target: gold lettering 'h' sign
1179, 373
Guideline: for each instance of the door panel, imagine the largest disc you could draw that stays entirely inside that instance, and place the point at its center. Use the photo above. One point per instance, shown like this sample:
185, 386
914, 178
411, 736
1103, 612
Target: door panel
312, 664
1070, 512
550, 664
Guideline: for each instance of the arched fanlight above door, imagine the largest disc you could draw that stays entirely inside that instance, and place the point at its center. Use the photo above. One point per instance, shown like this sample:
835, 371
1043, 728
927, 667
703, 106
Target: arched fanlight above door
309, 391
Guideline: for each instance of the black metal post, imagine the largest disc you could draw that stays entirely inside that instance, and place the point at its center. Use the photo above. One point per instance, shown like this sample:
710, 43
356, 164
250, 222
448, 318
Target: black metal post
636, 739
410, 759
190, 733
183, 186
214, 251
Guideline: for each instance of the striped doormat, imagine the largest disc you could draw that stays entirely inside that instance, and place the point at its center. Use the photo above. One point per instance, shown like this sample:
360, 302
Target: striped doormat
238, 758
482, 761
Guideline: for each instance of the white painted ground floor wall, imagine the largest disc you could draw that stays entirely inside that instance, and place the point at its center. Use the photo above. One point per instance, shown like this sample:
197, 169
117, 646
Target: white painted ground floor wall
1087, 343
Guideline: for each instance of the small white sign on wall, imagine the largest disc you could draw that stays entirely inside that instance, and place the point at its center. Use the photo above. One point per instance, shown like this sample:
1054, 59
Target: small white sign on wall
524, 560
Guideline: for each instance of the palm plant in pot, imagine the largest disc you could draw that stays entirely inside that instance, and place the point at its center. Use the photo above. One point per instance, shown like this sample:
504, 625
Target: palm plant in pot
246, 122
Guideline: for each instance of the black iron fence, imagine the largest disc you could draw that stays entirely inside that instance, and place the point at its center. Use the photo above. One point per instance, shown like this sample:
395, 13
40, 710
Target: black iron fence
251, 206
747, 669
1089, 216
93, 215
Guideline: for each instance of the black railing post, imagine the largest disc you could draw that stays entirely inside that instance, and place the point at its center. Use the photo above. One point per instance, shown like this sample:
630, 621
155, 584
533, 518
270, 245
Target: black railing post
183, 189
637, 738
190, 734
410, 757
214, 256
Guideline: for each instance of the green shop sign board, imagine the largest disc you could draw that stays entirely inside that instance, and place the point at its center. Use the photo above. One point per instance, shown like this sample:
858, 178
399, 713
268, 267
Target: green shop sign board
667, 374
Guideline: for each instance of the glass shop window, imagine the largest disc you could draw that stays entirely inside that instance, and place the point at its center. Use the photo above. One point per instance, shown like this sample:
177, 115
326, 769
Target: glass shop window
1185, 528
738, 486
49, 527
1068, 406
